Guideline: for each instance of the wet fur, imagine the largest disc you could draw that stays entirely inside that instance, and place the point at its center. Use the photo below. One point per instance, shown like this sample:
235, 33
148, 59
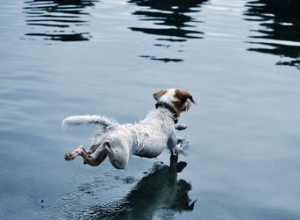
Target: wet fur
148, 138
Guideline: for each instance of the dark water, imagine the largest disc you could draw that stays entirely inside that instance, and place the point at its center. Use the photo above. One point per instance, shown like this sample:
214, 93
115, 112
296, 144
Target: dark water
240, 61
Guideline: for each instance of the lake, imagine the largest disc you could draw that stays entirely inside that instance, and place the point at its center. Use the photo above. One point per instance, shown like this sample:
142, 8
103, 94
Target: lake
239, 59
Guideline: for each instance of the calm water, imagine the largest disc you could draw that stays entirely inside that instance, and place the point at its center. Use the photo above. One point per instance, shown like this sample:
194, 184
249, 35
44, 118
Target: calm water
239, 59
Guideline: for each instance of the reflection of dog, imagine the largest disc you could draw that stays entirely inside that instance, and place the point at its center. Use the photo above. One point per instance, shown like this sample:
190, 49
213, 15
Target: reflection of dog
160, 189
147, 138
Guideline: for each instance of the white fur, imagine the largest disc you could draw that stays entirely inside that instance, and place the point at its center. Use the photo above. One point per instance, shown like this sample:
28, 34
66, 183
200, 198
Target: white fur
148, 138
168, 96
89, 119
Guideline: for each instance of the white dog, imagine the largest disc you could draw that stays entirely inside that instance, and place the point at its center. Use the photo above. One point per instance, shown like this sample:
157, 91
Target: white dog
148, 138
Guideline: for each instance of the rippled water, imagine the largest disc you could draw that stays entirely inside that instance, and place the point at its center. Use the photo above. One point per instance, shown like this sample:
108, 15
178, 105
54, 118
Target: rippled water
240, 61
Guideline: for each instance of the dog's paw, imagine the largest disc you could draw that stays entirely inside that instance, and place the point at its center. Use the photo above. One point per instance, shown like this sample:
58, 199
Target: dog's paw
69, 156
180, 127
182, 146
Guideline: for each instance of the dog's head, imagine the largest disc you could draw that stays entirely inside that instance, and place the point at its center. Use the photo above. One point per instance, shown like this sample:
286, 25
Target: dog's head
179, 99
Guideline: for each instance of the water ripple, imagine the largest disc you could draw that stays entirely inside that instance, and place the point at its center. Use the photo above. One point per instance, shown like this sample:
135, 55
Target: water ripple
278, 31
58, 20
21, 209
169, 22
89, 190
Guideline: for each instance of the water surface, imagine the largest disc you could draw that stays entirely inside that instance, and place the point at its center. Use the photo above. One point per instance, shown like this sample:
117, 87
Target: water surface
239, 60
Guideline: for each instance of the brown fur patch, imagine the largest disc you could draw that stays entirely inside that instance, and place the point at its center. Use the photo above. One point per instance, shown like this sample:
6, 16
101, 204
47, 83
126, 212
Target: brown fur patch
183, 95
183, 102
159, 94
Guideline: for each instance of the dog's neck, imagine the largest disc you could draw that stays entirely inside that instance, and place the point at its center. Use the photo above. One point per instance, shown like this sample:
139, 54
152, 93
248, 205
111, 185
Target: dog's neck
168, 107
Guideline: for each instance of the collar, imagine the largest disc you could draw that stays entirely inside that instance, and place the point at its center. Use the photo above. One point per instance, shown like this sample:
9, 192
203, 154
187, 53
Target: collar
170, 108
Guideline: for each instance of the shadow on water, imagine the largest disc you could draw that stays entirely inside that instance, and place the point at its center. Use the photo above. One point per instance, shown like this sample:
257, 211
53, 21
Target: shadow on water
173, 22
58, 20
157, 191
279, 29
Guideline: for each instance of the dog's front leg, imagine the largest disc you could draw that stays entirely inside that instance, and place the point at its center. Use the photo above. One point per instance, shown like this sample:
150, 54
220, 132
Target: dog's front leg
176, 145
180, 127
173, 145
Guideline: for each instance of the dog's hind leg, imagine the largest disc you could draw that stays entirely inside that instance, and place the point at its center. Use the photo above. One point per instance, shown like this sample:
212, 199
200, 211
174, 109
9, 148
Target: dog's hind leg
118, 154
79, 151
93, 157
96, 155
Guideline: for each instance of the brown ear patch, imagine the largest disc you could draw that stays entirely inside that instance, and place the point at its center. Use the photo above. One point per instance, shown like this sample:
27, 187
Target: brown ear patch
183, 100
159, 94
183, 96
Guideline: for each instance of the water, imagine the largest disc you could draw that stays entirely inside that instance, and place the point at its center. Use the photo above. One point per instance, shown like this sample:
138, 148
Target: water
240, 61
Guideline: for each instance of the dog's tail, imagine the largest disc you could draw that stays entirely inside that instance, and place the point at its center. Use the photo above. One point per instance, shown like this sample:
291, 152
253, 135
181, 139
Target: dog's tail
102, 120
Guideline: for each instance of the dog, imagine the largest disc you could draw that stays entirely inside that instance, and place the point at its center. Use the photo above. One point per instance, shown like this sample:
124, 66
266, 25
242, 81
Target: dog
148, 138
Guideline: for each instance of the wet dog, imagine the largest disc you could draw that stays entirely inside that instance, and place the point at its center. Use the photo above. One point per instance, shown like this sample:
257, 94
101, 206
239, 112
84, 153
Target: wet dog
148, 138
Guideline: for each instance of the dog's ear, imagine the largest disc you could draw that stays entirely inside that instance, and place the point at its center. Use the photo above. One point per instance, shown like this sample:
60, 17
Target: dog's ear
159, 94
190, 97
183, 96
